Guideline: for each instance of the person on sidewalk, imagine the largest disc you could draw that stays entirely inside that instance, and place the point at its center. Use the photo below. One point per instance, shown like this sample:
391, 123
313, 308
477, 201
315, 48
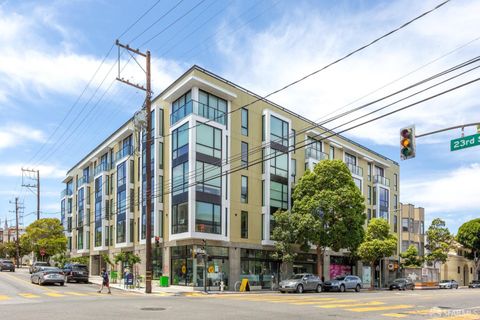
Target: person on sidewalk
105, 281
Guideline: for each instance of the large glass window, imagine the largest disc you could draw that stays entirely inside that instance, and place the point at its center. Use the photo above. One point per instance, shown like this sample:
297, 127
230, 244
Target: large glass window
208, 178
209, 140
244, 121
212, 107
180, 178
180, 141
98, 212
181, 107
332, 152
244, 155
358, 183
383, 203
180, 218
244, 225
244, 190
278, 131
208, 218
350, 159
278, 195
80, 206
405, 224
121, 202
279, 164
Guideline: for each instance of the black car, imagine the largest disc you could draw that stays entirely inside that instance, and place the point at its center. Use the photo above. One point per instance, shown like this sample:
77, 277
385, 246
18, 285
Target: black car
7, 265
75, 272
474, 284
402, 284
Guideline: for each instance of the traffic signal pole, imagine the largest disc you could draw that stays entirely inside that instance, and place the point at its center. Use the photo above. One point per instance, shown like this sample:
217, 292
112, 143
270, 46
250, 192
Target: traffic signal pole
450, 128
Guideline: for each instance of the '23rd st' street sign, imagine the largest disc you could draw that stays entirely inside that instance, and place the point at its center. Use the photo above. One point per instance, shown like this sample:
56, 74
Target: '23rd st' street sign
465, 142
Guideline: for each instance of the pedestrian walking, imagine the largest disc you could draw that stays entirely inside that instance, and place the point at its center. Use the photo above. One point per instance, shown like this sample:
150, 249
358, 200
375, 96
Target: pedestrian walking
105, 281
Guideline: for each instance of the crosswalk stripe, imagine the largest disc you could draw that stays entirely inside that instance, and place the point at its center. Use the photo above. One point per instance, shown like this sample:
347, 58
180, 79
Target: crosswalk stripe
316, 301
76, 294
3, 297
29, 295
395, 315
54, 294
337, 305
367, 309
459, 317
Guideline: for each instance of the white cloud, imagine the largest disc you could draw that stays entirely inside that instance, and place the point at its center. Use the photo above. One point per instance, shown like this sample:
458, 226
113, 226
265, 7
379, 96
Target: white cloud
307, 39
46, 171
13, 135
446, 193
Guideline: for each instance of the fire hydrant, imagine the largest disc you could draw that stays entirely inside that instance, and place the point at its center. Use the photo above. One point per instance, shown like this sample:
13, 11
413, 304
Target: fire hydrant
222, 286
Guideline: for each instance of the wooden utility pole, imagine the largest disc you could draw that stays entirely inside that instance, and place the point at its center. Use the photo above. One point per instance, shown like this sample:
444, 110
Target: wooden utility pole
17, 243
148, 160
35, 185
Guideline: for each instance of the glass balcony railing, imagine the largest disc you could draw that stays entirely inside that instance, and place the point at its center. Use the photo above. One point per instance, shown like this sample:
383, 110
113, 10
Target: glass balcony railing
65, 192
83, 180
199, 109
102, 167
355, 169
381, 180
124, 152
315, 154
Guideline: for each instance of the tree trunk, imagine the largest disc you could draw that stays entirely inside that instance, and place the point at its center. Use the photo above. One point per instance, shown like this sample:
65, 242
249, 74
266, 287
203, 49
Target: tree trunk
320, 253
372, 275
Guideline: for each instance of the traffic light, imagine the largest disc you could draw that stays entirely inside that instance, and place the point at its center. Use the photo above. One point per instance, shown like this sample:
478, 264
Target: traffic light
407, 142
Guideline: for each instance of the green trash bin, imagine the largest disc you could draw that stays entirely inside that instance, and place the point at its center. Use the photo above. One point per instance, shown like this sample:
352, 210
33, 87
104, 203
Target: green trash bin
113, 276
163, 281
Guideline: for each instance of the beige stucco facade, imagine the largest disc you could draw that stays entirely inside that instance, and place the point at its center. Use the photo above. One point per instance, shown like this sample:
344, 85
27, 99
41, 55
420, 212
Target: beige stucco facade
458, 266
411, 229
240, 200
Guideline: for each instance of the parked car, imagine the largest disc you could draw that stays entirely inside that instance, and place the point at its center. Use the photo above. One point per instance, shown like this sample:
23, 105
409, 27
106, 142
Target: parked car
474, 284
402, 284
448, 284
34, 267
300, 283
7, 265
75, 272
46, 275
342, 283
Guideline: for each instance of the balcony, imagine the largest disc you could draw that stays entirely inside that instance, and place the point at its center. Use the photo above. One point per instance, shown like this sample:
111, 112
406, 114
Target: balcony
315, 154
83, 180
124, 152
381, 180
102, 167
356, 170
199, 109
65, 192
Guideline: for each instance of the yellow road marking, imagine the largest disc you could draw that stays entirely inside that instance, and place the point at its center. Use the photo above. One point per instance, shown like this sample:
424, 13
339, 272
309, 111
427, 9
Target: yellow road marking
28, 295
426, 311
394, 315
76, 294
460, 317
29, 282
3, 297
317, 301
54, 294
336, 305
367, 309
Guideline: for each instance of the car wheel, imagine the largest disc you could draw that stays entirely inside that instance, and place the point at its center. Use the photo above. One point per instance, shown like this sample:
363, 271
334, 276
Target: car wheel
62, 283
342, 288
357, 288
39, 282
300, 288
319, 288
282, 291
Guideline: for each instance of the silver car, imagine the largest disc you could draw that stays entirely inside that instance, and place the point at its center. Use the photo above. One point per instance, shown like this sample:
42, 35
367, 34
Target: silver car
46, 275
448, 284
300, 283
342, 283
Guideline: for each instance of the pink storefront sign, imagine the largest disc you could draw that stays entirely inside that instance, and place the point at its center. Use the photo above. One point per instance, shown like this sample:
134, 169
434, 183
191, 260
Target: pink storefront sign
339, 270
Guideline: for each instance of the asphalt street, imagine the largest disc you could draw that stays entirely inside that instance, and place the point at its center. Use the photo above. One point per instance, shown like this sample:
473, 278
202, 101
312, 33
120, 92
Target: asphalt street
19, 299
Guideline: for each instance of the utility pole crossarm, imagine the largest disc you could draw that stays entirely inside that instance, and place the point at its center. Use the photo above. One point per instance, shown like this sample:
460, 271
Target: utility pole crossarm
448, 129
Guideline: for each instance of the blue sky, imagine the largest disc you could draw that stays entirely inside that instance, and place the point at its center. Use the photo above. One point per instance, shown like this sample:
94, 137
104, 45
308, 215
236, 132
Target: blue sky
49, 50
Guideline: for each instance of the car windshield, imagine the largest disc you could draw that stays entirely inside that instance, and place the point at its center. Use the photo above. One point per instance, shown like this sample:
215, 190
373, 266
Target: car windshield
298, 276
7, 262
50, 269
41, 263
445, 281
340, 278
399, 280
79, 268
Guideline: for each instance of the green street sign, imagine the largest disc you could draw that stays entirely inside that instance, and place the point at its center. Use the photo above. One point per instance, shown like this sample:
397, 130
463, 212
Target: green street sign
465, 142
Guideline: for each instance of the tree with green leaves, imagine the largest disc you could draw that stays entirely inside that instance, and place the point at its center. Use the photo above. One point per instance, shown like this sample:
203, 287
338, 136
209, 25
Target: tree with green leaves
439, 242
285, 235
46, 234
329, 209
411, 258
379, 243
469, 236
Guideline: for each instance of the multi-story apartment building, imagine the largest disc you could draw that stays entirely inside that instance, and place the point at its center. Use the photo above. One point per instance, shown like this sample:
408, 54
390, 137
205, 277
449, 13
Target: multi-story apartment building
412, 230
220, 172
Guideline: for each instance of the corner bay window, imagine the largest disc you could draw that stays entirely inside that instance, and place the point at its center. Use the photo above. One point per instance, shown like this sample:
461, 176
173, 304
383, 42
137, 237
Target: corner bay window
180, 141
278, 195
278, 131
279, 164
208, 178
212, 107
209, 140
180, 218
383, 203
121, 202
208, 218
180, 179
